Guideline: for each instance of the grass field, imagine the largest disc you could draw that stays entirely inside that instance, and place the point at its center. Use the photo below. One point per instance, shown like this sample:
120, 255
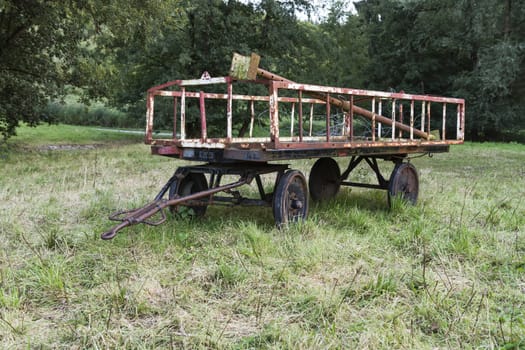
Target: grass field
447, 273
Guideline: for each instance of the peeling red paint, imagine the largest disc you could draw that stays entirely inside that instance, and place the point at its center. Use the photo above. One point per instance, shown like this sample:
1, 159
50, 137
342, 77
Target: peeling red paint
284, 95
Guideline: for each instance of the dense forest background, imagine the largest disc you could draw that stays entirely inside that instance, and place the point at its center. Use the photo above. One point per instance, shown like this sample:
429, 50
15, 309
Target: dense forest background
112, 51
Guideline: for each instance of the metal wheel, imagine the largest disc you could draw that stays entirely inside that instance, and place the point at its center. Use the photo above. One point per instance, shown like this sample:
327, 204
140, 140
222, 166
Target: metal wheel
325, 179
191, 183
290, 200
404, 182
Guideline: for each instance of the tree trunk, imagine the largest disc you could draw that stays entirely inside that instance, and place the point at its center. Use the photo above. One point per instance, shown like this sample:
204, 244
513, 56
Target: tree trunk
507, 27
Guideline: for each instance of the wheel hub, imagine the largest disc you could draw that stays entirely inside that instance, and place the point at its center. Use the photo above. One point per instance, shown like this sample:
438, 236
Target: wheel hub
296, 204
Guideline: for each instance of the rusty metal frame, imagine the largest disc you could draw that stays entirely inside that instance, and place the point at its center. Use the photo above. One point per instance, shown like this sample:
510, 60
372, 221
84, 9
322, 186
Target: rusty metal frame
246, 173
248, 157
407, 137
382, 183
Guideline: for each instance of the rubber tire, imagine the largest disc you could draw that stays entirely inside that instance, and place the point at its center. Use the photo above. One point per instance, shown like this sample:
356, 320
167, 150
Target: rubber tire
191, 183
325, 179
290, 200
404, 182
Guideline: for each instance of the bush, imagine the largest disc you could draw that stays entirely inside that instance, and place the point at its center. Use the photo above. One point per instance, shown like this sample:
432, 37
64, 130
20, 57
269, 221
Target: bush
96, 114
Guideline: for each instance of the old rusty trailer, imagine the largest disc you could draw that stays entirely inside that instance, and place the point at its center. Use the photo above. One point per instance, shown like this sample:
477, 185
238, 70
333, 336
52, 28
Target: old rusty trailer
283, 120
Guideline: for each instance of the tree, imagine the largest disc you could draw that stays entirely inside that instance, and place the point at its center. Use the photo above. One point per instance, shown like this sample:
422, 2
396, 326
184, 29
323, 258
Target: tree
202, 38
38, 41
470, 49
47, 45
335, 50
491, 86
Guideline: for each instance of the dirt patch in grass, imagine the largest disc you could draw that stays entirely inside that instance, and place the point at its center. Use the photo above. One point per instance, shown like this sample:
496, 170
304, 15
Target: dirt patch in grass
68, 147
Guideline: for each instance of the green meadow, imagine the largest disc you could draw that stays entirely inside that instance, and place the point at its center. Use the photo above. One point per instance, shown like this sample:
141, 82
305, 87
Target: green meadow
446, 273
